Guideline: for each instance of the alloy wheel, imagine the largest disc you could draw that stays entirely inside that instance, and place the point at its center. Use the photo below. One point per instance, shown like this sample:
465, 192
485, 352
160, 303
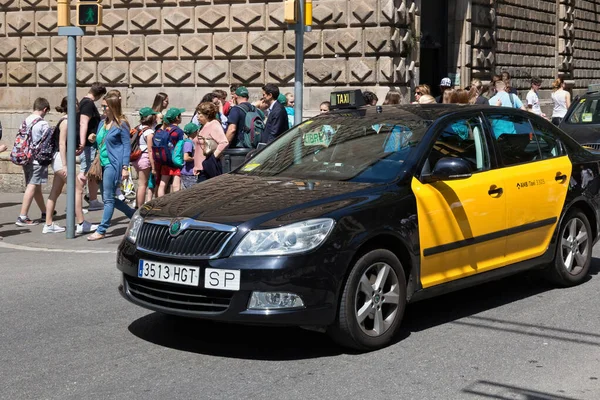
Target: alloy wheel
574, 246
377, 299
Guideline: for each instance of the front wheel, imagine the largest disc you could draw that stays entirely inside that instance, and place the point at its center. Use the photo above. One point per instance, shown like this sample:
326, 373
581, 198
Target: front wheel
574, 250
372, 303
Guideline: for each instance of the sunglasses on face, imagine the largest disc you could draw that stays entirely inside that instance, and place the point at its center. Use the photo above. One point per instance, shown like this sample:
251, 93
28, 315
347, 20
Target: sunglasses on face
104, 106
418, 93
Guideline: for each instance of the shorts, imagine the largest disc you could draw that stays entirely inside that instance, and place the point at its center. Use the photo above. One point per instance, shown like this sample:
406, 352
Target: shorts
142, 163
188, 181
170, 171
86, 158
35, 174
57, 164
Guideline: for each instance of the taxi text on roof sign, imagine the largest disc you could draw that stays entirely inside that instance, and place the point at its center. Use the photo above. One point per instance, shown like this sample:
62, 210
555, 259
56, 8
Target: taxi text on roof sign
347, 99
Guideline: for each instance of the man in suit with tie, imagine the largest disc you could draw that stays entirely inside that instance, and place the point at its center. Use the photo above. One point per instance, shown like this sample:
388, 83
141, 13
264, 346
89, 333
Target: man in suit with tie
277, 120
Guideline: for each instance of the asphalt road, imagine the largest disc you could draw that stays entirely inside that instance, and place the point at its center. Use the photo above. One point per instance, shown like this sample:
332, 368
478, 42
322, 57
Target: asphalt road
65, 333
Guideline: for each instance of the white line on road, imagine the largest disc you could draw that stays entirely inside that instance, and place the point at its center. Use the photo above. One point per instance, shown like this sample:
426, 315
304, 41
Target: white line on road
47, 249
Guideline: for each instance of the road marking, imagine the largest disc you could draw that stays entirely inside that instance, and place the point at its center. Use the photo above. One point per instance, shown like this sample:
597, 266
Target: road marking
49, 250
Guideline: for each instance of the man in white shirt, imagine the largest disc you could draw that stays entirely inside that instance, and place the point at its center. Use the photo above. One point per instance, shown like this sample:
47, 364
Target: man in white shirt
504, 99
35, 174
533, 101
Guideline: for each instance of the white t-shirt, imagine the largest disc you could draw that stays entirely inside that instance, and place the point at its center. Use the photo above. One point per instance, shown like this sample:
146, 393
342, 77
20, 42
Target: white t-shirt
38, 129
144, 138
533, 100
560, 103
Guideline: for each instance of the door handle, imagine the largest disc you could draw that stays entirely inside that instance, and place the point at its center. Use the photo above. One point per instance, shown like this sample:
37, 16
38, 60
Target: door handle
495, 190
560, 177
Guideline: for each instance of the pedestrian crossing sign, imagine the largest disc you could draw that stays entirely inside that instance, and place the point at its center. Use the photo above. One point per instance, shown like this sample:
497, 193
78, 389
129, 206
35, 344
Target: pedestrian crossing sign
89, 14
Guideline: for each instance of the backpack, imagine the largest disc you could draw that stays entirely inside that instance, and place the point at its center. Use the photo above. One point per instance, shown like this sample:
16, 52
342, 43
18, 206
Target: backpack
43, 151
254, 126
135, 135
162, 147
21, 152
178, 159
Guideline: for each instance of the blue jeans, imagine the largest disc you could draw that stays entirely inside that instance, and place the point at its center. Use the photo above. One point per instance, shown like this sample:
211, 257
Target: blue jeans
108, 187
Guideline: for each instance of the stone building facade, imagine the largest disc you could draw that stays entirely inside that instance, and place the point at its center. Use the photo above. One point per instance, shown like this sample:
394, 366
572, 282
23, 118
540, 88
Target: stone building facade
187, 48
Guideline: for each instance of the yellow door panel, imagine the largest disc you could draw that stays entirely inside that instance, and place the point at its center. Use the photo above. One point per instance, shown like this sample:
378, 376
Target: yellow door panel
534, 201
459, 222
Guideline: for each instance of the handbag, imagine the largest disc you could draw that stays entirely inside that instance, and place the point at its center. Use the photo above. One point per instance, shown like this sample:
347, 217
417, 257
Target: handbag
210, 145
95, 171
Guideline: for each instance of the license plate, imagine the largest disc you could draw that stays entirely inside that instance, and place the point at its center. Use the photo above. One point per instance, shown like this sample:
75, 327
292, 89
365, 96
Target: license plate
180, 274
224, 279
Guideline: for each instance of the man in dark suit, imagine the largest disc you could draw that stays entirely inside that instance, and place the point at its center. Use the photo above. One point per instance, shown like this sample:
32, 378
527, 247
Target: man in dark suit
277, 119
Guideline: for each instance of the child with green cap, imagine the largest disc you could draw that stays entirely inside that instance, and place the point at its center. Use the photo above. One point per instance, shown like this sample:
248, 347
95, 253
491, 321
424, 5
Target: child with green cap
141, 152
188, 178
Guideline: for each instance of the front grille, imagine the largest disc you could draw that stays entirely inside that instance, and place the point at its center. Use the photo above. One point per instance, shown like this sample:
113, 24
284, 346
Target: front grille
190, 243
176, 297
595, 146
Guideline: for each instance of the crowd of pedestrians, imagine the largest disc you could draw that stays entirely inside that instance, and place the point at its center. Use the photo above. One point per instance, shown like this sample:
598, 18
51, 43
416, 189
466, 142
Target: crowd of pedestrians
167, 153
499, 92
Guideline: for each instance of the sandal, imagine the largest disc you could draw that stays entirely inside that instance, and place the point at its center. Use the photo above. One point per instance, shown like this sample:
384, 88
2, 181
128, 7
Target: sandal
95, 236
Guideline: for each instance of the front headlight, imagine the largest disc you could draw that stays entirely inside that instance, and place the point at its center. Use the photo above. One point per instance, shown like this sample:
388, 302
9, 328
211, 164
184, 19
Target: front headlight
134, 227
289, 239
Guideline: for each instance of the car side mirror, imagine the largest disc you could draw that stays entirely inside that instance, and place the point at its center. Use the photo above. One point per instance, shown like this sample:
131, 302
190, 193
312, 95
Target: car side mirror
449, 169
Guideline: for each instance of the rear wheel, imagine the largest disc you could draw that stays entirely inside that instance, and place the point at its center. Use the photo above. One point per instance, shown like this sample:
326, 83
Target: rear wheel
574, 250
372, 303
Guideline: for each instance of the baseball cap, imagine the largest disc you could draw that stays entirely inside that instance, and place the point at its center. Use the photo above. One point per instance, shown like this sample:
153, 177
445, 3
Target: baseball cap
242, 92
146, 112
191, 128
282, 99
173, 113
446, 82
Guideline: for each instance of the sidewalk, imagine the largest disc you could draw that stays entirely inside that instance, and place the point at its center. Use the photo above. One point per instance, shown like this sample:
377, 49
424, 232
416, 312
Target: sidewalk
32, 237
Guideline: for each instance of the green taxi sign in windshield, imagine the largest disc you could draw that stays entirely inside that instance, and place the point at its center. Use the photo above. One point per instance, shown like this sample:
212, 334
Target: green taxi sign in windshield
346, 99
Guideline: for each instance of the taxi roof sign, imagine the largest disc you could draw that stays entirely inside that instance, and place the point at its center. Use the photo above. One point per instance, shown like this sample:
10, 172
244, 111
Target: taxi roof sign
346, 99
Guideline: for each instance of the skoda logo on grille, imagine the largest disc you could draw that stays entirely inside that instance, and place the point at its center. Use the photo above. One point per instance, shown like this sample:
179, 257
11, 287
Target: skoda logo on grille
175, 227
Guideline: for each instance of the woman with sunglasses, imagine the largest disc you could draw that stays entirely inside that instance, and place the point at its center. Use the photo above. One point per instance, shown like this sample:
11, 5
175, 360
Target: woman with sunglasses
421, 90
114, 147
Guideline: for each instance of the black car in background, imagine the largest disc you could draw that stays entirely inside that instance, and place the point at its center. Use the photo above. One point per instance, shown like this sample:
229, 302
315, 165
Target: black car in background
582, 121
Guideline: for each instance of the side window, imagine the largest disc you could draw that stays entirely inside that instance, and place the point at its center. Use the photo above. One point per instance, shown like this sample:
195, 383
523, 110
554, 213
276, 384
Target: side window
548, 141
515, 138
463, 138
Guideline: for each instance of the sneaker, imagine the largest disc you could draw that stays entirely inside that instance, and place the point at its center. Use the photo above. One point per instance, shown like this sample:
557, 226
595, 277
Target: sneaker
86, 227
54, 228
96, 205
26, 222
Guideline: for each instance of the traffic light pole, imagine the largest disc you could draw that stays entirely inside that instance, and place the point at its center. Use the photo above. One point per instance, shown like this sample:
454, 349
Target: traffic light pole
299, 61
71, 32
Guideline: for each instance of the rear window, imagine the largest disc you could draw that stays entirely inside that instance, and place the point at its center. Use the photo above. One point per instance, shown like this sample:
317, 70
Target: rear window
587, 111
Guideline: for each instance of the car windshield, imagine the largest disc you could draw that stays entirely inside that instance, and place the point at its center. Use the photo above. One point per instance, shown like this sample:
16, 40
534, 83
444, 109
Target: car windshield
341, 147
587, 111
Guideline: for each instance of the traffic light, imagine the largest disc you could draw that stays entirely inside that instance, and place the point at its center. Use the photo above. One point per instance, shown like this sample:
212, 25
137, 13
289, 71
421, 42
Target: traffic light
89, 13
290, 11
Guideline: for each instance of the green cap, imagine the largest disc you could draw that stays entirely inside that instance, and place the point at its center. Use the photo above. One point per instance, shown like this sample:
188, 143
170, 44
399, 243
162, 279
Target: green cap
146, 112
191, 128
172, 114
242, 92
282, 99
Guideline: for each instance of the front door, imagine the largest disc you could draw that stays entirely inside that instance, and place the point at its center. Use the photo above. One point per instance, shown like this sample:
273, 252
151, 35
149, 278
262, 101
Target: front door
537, 173
461, 221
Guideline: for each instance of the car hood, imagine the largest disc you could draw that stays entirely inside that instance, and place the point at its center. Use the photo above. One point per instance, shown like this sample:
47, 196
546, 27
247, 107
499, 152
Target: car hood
583, 134
234, 199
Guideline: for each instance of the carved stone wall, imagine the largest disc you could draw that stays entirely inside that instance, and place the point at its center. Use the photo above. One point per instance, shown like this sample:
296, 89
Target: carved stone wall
198, 45
581, 51
527, 40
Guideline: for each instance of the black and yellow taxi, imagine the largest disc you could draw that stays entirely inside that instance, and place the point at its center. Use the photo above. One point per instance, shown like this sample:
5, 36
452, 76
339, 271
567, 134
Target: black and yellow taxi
346, 218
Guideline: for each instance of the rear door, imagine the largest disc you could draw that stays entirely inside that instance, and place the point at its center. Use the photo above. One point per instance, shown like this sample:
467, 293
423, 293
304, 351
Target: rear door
461, 221
537, 171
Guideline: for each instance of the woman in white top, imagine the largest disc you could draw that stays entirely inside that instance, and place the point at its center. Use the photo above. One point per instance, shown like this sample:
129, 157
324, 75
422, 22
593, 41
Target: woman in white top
561, 99
144, 165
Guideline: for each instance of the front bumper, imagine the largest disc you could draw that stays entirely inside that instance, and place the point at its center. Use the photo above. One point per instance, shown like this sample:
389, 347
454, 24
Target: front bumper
316, 277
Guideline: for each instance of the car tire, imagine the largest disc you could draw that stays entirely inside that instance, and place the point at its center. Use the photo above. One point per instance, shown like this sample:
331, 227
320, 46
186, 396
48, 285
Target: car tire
372, 302
573, 255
